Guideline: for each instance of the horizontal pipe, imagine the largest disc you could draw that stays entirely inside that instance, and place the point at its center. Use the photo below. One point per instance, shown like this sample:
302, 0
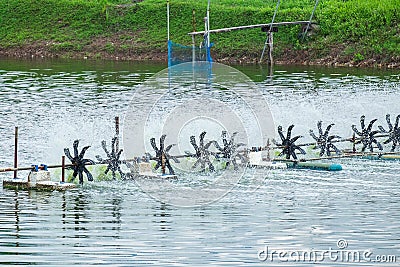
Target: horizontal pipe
344, 155
249, 27
31, 168
351, 139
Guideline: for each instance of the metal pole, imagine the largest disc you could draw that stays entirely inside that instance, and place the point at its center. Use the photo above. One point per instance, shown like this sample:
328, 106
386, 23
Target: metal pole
63, 169
193, 38
269, 42
193, 49
16, 152
168, 20
271, 47
163, 160
270, 29
309, 22
263, 51
168, 41
208, 24
205, 29
268, 150
117, 134
276, 11
194, 19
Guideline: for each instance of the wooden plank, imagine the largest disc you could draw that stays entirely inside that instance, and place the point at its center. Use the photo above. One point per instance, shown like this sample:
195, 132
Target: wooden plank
250, 27
43, 185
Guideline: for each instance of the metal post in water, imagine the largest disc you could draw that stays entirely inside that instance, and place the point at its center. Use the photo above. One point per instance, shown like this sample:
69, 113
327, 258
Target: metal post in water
163, 163
16, 152
193, 50
271, 47
268, 150
63, 169
117, 134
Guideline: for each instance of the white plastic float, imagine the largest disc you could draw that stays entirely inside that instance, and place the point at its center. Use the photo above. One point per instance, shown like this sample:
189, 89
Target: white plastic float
144, 170
259, 159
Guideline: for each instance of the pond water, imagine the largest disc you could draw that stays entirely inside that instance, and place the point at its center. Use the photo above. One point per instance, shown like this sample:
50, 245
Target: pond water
116, 223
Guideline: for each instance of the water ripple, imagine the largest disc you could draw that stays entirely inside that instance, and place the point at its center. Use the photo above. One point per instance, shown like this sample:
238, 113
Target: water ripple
115, 224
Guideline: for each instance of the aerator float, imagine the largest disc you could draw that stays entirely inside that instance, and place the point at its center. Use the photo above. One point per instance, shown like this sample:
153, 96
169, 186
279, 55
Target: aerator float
209, 155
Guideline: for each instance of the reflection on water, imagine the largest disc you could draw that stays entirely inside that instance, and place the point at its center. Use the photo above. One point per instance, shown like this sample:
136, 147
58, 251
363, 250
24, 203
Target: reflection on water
114, 223
161, 216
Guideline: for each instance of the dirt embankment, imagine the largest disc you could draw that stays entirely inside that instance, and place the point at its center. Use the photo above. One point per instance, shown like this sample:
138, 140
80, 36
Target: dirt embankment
99, 49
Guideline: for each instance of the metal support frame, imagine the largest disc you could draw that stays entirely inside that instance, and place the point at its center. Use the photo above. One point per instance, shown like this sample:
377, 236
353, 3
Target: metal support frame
269, 39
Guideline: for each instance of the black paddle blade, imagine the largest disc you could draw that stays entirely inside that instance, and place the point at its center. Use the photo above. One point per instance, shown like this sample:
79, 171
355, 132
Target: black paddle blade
79, 162
202, 152
113, 158
288, 143
366, 135
325, 141
393, 132
229, 150
162, 154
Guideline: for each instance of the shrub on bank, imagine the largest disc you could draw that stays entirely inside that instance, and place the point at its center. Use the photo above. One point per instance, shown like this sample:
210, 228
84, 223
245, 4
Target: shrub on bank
365, 27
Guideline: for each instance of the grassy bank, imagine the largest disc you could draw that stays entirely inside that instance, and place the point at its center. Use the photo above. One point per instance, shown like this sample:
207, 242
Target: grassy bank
352, 32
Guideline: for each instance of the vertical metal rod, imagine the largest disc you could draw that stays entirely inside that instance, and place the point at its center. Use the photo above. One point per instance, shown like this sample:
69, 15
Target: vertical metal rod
205, 31
163, 163
263, 51
271, 47
193, 38
63, 169
16, 152
268, 150
194, 19
270, 30
208, 24
276, 11
309, 22
168, 20
268, 41
117, 134
168, 42
193, 49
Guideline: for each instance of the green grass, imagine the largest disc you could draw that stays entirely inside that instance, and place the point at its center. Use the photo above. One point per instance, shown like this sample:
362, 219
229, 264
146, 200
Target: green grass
367, 28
